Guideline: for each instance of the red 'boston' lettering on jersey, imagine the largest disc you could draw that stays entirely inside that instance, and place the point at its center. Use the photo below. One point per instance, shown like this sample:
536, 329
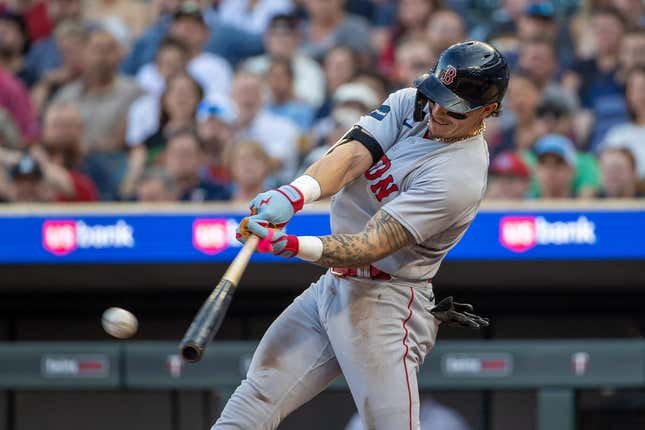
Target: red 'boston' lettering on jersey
380, 167
384, 188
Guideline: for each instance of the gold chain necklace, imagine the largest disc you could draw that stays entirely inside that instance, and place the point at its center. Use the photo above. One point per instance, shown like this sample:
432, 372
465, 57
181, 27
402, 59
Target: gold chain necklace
480, 130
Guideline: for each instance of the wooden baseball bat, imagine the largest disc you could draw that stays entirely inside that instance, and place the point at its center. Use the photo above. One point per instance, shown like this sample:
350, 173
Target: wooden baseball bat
213, 310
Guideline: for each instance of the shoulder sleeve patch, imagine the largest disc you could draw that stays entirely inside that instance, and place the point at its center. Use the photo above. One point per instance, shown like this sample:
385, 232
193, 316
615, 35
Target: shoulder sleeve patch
380, 113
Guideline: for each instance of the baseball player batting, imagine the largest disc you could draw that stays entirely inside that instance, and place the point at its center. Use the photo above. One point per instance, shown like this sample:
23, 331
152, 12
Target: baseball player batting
406, 182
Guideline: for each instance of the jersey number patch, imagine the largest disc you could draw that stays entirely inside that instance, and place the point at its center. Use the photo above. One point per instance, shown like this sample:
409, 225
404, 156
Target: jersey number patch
385, 185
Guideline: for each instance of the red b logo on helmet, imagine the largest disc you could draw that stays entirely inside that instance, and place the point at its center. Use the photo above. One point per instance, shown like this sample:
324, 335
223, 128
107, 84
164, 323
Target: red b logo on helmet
448, 75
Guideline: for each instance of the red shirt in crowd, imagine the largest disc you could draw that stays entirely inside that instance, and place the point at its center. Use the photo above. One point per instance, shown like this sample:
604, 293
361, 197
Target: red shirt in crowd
15, 99
38, 24
84, 189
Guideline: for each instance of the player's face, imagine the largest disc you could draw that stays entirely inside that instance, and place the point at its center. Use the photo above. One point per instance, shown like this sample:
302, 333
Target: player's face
445, 124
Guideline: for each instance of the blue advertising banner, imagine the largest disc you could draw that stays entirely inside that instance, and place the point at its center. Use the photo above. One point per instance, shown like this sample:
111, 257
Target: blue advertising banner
103, 238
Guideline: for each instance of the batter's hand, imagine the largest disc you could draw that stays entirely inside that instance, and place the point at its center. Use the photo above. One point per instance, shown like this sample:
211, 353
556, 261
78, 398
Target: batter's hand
277, 206
272, 240
458, 314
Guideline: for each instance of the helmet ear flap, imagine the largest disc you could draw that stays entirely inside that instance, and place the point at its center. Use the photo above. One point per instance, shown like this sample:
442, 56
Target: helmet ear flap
420, 103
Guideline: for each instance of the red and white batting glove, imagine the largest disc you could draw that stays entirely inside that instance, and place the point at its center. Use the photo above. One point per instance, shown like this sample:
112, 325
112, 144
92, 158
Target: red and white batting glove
277, 206
272, 240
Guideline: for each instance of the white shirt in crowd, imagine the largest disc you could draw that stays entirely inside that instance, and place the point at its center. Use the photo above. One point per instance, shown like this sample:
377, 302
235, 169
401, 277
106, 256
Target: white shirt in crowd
254, 19
143, 119
211, 71
632, 137
143, 116
309, 80
279, 138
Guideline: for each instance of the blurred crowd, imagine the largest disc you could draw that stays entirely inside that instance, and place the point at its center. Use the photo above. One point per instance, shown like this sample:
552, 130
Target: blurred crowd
217, 100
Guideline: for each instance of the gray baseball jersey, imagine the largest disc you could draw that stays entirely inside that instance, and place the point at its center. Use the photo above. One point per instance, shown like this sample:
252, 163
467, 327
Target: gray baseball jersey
432, 188
376, 333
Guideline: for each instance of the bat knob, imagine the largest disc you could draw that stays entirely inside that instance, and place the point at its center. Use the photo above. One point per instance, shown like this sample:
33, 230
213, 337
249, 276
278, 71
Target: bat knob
191, 353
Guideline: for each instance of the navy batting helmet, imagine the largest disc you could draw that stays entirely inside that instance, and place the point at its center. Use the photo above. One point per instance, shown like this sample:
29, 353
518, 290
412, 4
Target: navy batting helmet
467, 76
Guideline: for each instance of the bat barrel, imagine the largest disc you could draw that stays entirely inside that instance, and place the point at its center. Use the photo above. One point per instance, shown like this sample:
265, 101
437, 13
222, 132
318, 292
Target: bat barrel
191, 352
212, 313
207, 322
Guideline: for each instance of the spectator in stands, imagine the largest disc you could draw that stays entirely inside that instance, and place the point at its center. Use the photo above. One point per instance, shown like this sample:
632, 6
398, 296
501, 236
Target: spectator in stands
632, 11
282, 40
226, 41
619, 174
9, 133
184, 161
102, 94
341, 65
14, 44
103, 97
556, 117
279, 137
632, 52
556, 167
9, 155
27, 182
125, 19
156, 185
503, 20
282, 100
329, 26
523, 129
537, 58
378, 12
34, 13
15, 99
215, 128
70, 38
211, 71
250, 169
45, 54
252, 15
61, 140
350, 102
413, 58
537, 20
376, 82
54, 182
171, 59
177, 111
445, 28
595, 80
632, 134
143, 115
411, 19
509, 178
144, 48
561, 171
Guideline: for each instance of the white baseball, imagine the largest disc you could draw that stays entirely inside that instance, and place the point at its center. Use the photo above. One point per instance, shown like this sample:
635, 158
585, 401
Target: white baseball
119, 323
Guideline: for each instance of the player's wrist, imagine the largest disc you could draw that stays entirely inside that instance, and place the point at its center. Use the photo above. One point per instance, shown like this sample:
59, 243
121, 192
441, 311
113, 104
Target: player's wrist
308, 187
310, 248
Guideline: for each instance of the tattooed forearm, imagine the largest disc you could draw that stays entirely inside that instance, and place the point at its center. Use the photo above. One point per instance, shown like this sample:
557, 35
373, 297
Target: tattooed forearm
382, 236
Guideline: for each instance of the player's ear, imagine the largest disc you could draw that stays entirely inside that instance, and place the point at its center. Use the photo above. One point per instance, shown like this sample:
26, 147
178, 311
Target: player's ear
490, 109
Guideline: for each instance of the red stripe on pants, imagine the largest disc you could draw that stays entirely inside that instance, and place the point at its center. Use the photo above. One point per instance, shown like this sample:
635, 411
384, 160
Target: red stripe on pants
405, 355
